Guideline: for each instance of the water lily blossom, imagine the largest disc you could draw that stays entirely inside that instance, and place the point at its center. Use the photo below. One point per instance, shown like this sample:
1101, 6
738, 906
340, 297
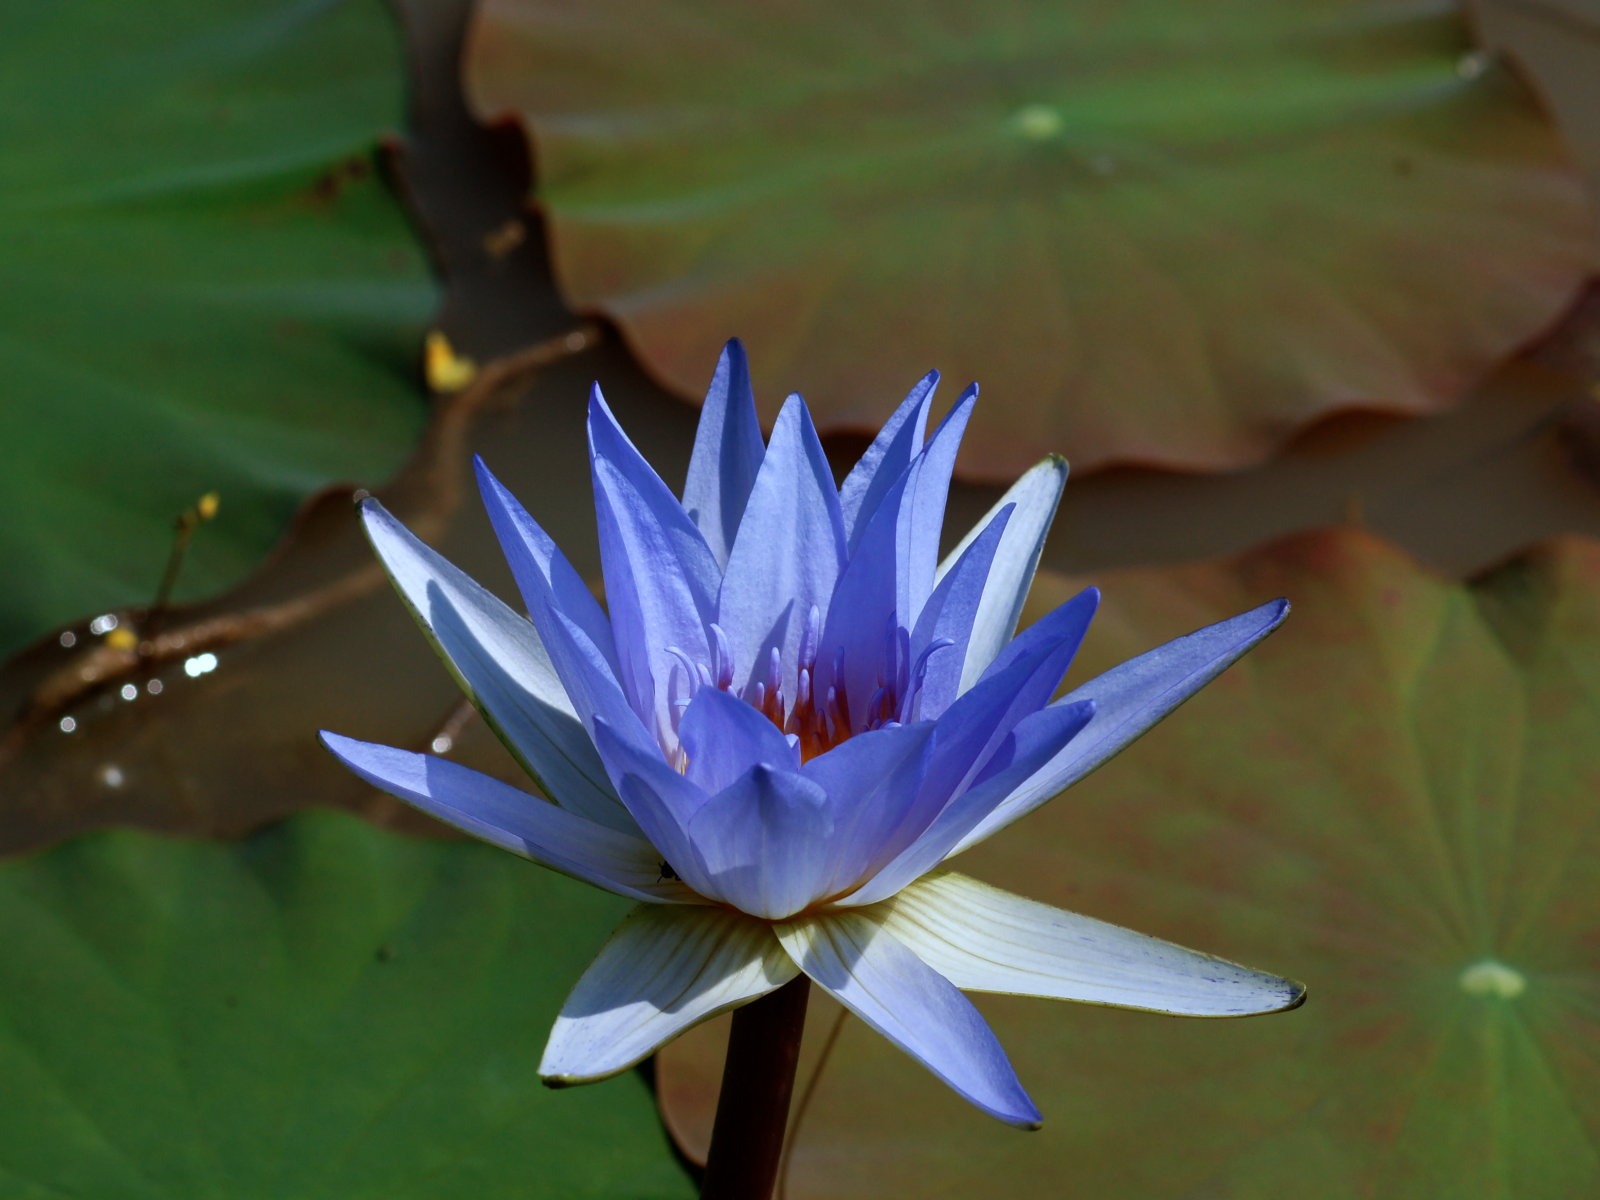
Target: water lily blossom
789, 719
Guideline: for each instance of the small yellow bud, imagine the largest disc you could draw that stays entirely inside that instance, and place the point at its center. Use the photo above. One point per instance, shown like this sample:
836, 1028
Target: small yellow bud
445, 371
208, 505
122, 638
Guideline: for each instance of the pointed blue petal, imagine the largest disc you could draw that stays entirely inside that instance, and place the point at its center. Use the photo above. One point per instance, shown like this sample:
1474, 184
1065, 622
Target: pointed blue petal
1069, 620
896, 993
875, 782
861, 618
949, 614
727, 454
724, 737
926, 497
1034, 497
1019, 684
660, 800
661, 579
653, 606
787, 557
513, 820
890, 573
661, 508
891, 452
503, 665
534, 558
766, 842
586, 674
1035, 741
1129, 699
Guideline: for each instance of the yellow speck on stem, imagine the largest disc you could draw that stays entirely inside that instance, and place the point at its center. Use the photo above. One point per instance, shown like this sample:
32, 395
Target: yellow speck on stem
1492, 978
206, 507
445, 370
501, 241
122, 638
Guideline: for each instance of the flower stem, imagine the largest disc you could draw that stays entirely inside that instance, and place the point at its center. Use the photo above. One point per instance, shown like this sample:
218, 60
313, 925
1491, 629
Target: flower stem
753, 1109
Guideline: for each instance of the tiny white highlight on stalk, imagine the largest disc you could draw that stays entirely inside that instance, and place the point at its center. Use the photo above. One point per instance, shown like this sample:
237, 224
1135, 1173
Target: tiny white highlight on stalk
1492, 978
1038, 122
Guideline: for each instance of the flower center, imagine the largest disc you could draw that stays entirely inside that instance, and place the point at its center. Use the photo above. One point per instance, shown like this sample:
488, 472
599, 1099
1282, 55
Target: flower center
821, 713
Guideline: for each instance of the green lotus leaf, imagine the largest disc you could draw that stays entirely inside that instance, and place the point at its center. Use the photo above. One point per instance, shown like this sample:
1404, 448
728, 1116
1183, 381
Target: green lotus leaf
325, 1011
205, 286
1155, 232
1392, 800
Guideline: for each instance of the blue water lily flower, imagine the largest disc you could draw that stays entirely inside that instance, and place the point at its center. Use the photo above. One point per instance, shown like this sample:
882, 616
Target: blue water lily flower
792, 714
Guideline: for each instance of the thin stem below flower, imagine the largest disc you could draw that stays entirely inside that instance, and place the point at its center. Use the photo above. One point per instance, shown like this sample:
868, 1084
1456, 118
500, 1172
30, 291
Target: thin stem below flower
806, 1093
753, 1107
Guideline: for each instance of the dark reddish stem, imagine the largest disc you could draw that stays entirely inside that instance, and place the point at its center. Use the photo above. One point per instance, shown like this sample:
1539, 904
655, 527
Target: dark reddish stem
753, 1109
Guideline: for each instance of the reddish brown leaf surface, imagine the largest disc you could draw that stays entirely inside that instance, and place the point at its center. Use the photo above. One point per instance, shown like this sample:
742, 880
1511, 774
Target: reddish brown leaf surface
1155, 233
1392, 800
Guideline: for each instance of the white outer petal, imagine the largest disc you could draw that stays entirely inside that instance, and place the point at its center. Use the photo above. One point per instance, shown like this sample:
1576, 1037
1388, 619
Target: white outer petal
894, 992
1036, 495
664, 970
512, 819
503, 667
987, 940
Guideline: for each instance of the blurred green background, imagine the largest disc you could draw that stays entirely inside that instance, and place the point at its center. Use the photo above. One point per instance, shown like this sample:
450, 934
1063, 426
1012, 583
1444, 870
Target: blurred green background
1301, 288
